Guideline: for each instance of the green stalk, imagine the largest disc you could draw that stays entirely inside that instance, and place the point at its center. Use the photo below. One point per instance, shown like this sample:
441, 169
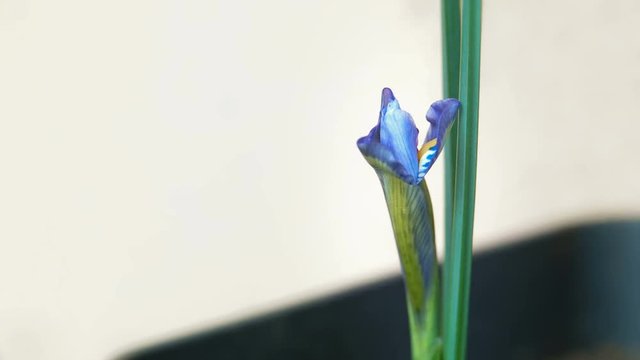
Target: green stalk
426, 342
411, 216
458, 268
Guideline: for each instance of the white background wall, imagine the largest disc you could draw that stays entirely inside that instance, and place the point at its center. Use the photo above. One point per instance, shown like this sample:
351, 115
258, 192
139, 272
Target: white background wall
172, 165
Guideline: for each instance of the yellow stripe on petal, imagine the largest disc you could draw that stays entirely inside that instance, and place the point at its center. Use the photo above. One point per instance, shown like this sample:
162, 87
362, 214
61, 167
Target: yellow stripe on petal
426, 156
426, 147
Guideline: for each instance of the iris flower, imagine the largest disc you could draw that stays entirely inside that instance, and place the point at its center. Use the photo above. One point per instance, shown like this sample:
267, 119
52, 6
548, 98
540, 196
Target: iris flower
392, 149
392, 144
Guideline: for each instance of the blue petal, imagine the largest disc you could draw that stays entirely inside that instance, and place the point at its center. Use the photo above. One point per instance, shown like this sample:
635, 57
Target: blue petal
380, 157
440, 115
399, 134
387, 97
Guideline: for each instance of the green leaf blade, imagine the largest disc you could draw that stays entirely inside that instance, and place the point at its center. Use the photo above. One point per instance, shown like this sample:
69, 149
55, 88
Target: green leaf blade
459, 245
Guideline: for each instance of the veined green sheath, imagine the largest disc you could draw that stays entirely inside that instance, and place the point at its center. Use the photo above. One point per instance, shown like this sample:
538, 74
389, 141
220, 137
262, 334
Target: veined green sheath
412, 220
391, 149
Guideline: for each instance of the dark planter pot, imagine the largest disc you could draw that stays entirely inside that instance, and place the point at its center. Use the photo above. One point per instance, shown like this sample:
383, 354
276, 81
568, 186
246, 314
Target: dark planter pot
571, 294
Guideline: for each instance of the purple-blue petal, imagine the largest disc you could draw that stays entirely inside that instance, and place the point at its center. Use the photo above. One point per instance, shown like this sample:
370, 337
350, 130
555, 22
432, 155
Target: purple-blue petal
386, 98
441, 115
399, 134
380, 157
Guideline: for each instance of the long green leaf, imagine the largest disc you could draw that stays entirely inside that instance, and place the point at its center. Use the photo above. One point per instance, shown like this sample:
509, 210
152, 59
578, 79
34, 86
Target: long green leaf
459, 250
450, 10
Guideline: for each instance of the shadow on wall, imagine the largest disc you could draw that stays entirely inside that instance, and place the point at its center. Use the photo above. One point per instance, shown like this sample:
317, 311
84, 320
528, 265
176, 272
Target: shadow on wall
570, 294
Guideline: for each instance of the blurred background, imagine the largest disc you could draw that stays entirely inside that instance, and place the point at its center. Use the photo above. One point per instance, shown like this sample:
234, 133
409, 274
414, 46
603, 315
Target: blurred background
169, 166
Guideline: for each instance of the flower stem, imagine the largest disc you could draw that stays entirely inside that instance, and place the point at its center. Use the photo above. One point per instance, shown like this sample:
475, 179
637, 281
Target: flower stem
457, 275
411, 216
426, 342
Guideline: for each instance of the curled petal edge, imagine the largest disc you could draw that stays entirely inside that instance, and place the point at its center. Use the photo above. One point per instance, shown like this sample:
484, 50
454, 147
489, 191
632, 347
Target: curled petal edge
381, 158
